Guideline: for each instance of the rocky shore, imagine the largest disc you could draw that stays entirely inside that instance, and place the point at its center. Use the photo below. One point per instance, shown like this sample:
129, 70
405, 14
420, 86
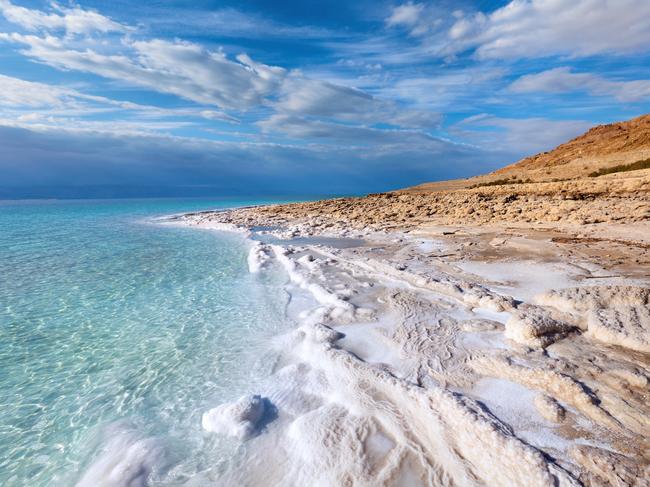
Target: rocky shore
487, 331
509, 325
621, 198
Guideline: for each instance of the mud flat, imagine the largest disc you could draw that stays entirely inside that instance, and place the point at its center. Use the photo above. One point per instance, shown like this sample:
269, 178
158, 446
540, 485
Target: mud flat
441, 352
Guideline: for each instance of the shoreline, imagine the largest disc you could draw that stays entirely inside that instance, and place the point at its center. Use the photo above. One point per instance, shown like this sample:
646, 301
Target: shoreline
497, 366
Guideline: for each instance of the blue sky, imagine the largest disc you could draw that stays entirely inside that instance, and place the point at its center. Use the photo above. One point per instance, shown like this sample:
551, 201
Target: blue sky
216, 98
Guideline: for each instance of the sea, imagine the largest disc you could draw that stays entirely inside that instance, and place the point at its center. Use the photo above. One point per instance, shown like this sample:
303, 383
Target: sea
117, 332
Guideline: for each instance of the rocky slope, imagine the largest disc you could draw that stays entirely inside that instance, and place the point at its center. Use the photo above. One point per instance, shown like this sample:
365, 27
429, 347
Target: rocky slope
603, 146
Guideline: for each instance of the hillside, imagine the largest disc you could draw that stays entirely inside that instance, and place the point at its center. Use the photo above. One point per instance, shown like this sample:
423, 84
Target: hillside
601, 147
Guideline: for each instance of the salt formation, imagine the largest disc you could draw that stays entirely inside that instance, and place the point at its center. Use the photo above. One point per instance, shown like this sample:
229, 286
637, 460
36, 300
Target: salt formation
626, 326
616, 469
583, 299
444, 438
390, 398
339, 307
239, 419
550, 408
535, 327
258, 255
126, 459
616, 315
373, 428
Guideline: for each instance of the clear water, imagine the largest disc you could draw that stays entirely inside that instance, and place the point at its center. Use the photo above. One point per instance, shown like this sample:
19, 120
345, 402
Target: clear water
111, 325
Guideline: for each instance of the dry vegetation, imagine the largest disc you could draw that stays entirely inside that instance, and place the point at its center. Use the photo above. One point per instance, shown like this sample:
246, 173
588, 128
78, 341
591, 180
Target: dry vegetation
635, 166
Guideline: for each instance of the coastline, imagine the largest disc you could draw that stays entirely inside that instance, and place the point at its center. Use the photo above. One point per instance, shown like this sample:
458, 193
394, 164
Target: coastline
458, 354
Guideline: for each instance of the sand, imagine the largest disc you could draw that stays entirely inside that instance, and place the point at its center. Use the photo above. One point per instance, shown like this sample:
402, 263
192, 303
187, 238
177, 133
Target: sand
454, 349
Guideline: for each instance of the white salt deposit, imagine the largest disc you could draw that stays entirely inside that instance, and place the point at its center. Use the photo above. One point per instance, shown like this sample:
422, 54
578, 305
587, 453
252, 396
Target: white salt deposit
258, 255
126, 459
625, 326
616, 315
522, 280
516, 406
339, 308
225, 227
535, 327
392, 402
239, 419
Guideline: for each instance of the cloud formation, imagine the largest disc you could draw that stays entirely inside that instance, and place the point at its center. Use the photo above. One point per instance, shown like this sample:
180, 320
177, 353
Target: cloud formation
181, 68
33, 104
534, 28
209, 77
408, 15
352, 96
95, 164
72, 21
528, 135
531, 28
564, 80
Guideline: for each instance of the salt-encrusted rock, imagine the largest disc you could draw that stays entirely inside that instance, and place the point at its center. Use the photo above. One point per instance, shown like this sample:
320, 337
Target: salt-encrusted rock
323, 333
534, 327
584, 299
625, 326
616, 315
611, 468
240, 419
549, 408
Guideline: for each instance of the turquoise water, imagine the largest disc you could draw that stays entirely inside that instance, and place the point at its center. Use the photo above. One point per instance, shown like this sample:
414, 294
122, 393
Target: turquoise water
115, 327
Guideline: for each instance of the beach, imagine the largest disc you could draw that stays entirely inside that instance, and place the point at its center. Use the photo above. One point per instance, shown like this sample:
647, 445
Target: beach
489, 336
325, 244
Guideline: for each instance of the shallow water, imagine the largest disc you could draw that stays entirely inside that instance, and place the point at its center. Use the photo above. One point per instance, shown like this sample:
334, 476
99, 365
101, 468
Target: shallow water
116, 334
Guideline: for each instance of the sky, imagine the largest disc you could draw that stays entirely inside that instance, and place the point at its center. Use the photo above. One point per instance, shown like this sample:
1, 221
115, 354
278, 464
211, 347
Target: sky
220, 98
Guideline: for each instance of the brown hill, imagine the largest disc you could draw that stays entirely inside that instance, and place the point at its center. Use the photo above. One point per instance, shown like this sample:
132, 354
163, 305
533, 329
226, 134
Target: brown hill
601, 147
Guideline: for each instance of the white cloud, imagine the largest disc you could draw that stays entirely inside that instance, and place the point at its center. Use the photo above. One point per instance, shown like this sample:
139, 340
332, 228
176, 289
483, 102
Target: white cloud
537, 28
204, 76
72, 20
462, 88
32, 104
290, 103
304, 128
210, 78
523, 136
407, 15
308, 97
320, 98
416, 18
47, 123
16, 92
181, 68
563, 80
